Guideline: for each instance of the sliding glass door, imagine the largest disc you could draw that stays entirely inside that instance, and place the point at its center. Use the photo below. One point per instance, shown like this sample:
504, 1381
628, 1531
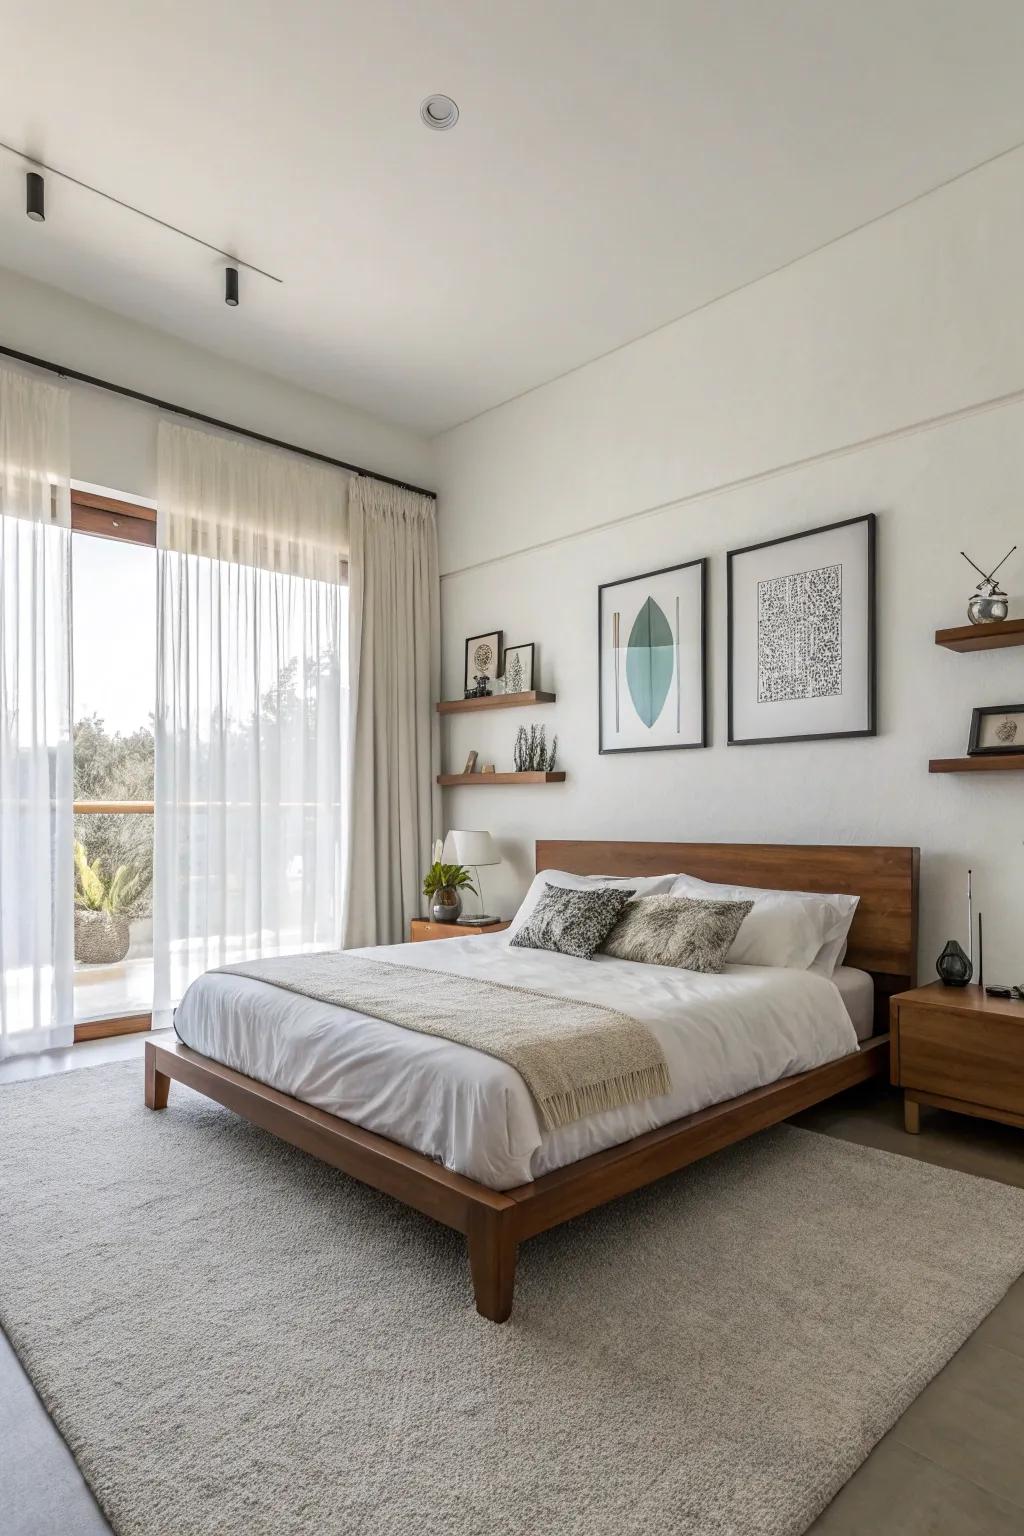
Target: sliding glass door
240, 690
113, 568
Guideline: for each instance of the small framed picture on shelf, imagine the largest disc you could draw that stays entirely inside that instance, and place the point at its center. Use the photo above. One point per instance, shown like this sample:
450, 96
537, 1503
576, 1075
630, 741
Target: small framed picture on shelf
470, 763
997, 730
517, 668
483, 664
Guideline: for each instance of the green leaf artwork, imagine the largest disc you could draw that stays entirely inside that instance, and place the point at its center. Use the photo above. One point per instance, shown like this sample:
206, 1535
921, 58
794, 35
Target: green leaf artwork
649, 662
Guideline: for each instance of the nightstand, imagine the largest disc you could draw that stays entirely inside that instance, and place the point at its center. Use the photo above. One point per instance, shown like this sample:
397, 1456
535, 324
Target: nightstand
421, 929
956, 1048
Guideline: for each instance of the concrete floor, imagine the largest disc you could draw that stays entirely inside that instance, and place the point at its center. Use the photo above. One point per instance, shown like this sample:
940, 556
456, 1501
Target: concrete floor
951, 1466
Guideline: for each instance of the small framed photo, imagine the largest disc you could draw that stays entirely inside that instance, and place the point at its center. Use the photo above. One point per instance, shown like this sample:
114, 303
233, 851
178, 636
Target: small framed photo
470, 763
997, 730
483, 659
517, 669
651, 681
802, 635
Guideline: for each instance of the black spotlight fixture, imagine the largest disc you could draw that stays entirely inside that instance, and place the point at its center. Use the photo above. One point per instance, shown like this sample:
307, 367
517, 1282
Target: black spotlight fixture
231, 286
35, 197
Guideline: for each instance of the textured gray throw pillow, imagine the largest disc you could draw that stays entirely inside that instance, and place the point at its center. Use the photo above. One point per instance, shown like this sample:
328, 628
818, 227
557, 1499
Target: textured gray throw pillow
675, 930
572, 922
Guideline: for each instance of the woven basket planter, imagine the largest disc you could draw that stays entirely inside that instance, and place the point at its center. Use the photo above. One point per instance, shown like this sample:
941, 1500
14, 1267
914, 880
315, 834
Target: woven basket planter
101, 938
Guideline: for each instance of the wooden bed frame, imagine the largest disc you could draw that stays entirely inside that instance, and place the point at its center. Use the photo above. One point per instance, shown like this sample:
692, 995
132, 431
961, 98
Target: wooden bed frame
882, 941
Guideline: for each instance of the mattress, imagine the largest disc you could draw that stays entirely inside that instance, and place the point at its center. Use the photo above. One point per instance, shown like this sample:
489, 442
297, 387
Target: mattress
721, 1035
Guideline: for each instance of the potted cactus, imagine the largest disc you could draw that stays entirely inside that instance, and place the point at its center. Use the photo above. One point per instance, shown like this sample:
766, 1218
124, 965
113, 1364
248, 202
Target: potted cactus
102, 933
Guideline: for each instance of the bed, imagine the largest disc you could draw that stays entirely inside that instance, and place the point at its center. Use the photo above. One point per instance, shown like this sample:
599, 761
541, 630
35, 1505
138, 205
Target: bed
453, 1133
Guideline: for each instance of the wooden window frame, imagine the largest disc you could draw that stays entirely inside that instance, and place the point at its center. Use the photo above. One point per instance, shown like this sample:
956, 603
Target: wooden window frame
106, 1029
110, 518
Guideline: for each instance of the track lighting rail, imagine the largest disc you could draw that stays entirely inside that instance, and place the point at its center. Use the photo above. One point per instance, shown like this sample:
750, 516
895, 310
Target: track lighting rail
52, 170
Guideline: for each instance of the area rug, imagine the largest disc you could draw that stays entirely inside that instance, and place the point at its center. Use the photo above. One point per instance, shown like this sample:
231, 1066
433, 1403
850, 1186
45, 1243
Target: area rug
237, 1341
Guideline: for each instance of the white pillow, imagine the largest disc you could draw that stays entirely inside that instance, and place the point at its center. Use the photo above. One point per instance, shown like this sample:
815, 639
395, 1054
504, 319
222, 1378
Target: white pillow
649, 885
799, 930
830, 956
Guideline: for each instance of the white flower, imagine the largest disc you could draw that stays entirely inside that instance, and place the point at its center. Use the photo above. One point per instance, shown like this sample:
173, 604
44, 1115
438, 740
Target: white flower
438, 850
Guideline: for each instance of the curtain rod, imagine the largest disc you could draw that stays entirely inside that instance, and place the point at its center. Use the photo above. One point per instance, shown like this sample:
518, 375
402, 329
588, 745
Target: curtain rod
210, 421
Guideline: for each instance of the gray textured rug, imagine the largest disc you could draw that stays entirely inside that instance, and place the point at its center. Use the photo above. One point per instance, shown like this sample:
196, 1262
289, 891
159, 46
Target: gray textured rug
237, 1341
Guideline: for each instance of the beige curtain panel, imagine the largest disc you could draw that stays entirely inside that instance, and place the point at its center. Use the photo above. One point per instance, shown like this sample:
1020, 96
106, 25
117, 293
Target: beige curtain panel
252, 705
228, 499
394, 657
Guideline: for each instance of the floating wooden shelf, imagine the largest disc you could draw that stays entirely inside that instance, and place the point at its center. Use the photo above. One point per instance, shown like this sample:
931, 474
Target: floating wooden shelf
1013, 763
982, 637
494, 701
450, 780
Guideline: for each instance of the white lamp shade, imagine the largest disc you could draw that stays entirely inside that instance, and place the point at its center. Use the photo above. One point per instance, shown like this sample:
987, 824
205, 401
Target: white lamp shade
470, 848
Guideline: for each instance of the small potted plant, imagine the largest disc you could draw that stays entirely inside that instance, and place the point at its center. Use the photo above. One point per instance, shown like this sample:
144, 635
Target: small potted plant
442, 884
102, 934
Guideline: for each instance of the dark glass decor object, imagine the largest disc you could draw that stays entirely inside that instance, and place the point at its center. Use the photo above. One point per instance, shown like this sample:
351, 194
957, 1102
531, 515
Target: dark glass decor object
445, 905
954, 967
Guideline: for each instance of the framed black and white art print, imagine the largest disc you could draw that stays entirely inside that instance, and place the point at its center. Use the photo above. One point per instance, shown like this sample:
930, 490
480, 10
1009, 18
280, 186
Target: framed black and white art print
802, 635
483, 660
651, 644
997, 730
517, 668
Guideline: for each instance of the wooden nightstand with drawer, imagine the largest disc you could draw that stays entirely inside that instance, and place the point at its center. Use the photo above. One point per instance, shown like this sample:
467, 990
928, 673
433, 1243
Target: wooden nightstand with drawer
421, 929
956, 1048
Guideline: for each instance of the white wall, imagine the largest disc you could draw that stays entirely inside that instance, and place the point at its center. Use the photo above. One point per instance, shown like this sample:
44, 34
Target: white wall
114, 440
886, 374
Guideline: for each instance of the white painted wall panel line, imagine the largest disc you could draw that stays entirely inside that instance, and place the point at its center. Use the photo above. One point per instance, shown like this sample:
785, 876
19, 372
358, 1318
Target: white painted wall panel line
719, 298
706, 493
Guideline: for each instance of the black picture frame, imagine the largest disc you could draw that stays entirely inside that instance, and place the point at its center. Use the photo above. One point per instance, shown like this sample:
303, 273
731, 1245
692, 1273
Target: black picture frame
870, 519
668, 746
495, 636
974, 747
528, 645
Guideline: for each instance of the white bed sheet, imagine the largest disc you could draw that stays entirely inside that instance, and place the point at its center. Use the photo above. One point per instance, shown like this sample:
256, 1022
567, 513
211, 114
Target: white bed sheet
721, 1035
857, 990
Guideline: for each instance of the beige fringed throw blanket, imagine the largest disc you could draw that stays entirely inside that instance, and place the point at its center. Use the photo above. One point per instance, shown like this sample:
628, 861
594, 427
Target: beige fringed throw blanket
575, 1058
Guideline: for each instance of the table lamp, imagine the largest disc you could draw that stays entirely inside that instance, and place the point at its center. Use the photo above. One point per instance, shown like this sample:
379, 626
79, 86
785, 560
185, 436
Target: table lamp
472, 849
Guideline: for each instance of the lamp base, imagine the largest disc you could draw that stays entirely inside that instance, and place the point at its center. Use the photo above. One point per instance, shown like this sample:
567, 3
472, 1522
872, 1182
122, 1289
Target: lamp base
477, 920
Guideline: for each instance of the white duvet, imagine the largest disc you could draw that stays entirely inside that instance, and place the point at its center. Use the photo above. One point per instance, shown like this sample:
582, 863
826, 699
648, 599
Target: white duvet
721, 1035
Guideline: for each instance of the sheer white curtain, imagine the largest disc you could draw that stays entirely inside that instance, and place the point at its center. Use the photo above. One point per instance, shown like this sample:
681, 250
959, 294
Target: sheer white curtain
36, 828
394, 646
252, 705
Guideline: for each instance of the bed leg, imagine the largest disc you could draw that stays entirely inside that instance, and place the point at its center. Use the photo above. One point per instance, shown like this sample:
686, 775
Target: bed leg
492, 1263
158, 1084
911, 1116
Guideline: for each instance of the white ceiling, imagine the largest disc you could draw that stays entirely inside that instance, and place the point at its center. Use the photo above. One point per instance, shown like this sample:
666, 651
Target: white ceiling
617, 164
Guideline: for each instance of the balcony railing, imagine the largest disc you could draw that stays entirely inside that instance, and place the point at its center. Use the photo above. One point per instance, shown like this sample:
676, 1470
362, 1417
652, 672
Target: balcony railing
113, 807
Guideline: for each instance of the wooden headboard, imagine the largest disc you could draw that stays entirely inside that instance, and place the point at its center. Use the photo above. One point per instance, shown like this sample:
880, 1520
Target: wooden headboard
883, 939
